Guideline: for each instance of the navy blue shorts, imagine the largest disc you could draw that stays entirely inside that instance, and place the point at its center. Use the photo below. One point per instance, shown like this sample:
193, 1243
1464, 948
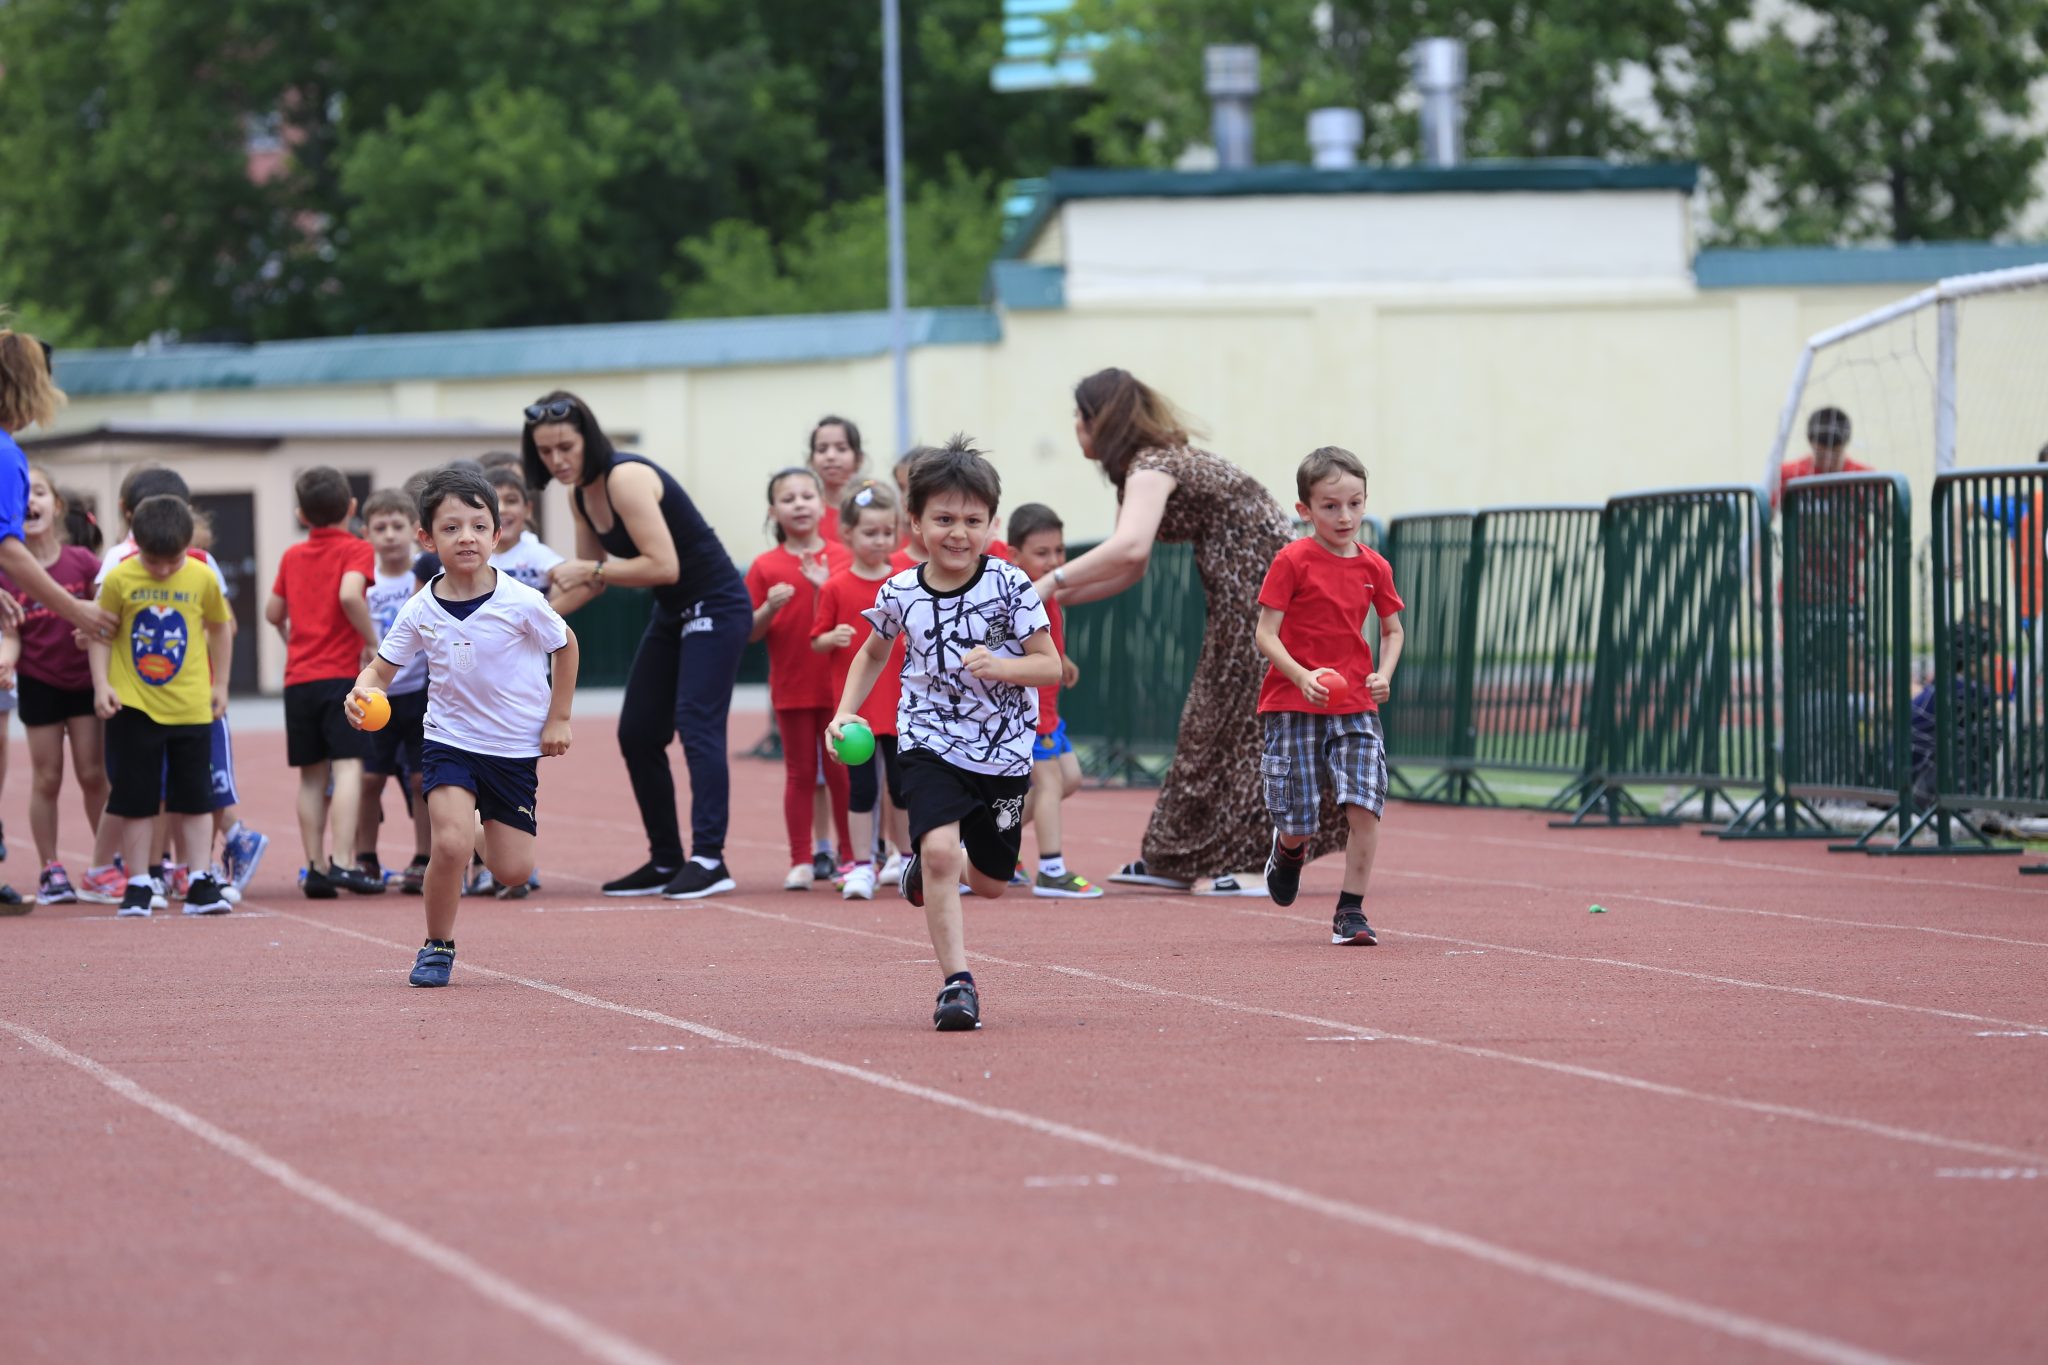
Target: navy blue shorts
506, 789
396, 747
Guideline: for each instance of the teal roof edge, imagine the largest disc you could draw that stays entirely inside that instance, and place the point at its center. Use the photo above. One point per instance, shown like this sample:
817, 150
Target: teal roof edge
696, 344
1902, 263
1027, 287
1549, 174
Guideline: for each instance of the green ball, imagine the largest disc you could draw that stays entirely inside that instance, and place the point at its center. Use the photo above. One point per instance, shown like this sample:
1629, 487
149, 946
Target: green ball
1596, 910
856, 744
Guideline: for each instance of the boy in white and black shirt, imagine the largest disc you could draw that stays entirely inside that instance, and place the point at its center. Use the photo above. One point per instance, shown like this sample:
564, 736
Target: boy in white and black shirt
976, 648
492, 710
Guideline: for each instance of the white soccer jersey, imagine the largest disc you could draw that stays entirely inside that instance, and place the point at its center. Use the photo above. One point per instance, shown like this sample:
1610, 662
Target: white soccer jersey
387, 596
487, 673
530, 561
972, 723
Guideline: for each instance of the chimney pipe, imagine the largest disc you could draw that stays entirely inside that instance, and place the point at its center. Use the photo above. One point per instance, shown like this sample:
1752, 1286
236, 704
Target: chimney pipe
1233, 79
1334, 136
1439, 73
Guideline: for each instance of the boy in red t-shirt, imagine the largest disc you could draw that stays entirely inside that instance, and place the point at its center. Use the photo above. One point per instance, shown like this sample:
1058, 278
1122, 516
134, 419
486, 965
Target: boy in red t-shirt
1039, 545
1312, 611
318, 605
1827, 441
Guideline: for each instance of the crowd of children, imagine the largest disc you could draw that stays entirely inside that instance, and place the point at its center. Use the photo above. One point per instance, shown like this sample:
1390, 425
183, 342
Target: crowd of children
895, 608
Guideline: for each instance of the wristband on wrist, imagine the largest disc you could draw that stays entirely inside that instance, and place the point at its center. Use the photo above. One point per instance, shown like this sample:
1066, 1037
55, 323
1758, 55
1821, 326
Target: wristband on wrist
1059, 577
598, 573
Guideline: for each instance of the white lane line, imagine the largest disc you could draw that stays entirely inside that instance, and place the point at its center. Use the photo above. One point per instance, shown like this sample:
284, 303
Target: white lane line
1709, 977
573, 1328
1741, 1326
1622, 897
1767, 1108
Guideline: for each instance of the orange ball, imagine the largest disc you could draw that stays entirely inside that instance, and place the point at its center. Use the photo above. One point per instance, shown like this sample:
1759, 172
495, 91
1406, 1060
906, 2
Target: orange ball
376, 711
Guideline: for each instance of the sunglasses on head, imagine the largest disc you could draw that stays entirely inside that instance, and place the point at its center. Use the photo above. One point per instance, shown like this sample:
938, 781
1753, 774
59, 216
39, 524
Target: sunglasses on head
559, 410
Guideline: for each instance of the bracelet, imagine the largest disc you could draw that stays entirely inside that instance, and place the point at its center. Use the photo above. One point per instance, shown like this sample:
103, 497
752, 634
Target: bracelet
598, 573
1059, 577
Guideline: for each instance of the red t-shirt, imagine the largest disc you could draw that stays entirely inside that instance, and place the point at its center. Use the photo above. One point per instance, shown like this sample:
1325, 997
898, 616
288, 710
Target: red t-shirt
1049, 697
798, 676
49, 654
1802, 468
323, 644
1326, 599
840, 603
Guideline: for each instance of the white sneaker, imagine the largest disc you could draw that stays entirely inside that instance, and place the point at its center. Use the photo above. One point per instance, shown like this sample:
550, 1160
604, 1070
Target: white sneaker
229, 892
157, 899
892, 871
800, 878
860, 884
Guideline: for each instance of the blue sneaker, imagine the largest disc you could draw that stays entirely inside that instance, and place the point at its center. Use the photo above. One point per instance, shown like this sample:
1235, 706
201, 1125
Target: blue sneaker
240, 853
432, 966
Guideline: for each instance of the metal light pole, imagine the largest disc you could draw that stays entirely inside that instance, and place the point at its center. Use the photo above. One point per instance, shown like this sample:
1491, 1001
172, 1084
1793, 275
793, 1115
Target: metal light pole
892, 162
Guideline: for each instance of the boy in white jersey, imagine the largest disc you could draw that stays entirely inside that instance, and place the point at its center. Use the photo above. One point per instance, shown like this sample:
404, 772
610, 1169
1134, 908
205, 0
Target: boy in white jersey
491, 710
520, 552
977, 646
391, 525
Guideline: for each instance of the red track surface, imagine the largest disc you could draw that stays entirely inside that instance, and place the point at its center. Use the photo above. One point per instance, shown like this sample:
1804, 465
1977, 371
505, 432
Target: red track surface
1768, 1105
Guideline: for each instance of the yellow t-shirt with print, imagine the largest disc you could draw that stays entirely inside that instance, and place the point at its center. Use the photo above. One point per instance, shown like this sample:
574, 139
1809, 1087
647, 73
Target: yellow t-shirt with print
160, 665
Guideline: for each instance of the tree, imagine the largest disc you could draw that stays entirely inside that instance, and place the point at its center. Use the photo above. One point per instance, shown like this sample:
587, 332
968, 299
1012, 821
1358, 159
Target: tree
1900, 119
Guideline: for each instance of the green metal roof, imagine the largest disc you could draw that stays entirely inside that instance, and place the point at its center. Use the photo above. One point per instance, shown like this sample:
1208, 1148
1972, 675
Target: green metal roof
1904, 263
1550, 174
535, 350
1023, 287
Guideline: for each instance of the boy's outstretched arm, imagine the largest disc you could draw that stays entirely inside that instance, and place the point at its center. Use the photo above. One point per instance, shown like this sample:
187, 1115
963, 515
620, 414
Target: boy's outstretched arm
554, 736
868, 662
1268, 636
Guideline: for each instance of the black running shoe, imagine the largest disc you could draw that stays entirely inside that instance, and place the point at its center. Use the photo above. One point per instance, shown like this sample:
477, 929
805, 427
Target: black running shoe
648, 879
959, 1009
1349, 927
432, 966
413, 881
912, 885
317, 885
823, 868
1283, 872
355, 879
696, 881
203, 897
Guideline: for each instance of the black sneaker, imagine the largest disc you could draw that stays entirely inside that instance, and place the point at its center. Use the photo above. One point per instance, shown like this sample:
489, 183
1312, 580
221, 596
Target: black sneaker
413, 881
959, 1009
138, 901
1349, 927
354, 879
317, 885
370, 866
696, 881
912, 885
203, 897
823, 868
1283, 873
648, 879
432, 966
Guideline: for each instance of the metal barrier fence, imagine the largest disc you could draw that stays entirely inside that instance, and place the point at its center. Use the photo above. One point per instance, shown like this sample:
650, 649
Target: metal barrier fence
1431, 555
1136, 652
1683, 685
1847, 596
1980, 733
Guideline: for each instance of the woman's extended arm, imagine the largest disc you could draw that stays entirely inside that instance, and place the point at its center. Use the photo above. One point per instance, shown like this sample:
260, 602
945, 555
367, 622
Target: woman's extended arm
1119, 561
635, 494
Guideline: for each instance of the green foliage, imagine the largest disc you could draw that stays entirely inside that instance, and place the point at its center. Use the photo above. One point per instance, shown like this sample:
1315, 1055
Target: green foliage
838, 261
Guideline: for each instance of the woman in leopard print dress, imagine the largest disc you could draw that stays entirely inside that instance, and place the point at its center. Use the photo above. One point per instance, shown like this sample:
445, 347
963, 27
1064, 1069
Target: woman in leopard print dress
1210, 820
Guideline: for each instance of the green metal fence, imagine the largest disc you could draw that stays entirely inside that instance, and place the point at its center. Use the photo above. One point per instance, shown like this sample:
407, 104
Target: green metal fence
1848, 610
1431, 555
1532, 620
1136, 652
1683, 683
608, 632
1983, 709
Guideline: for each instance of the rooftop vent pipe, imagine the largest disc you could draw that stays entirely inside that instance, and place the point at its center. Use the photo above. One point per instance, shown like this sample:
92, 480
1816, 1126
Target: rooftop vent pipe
1233, 79
1439, 70
1334, 136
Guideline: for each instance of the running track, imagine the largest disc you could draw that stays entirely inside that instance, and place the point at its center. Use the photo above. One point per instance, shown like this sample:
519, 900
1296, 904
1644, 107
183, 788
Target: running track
1773, 1105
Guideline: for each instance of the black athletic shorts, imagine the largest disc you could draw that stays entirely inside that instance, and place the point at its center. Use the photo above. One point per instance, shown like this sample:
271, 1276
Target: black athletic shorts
396, 747
152, 767
988, 809
316, 729
42, 704
506, 789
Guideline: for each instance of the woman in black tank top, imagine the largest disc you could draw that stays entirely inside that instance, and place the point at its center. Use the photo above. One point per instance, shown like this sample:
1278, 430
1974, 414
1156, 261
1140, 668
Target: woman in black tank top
637, 528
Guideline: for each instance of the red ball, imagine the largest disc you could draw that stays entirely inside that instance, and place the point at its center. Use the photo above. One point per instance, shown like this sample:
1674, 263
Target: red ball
1333, 683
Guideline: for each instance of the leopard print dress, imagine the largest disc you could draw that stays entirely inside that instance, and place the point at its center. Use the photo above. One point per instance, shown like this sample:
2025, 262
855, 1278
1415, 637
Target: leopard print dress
1211, 815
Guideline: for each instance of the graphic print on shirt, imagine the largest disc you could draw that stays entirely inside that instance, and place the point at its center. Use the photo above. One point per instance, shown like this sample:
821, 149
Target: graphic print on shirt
157, 643
978, 724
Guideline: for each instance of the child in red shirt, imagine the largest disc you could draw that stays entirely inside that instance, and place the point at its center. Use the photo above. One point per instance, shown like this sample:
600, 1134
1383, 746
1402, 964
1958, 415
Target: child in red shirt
867, 523
784, 584
836, 458
1039, 545
318, 604
1322, 694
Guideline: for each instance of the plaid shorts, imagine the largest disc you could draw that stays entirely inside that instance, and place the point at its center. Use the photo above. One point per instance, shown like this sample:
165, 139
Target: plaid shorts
1303, 751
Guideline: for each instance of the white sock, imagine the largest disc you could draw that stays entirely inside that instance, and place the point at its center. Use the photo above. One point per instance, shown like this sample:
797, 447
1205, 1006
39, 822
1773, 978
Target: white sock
708, 864
1054, 866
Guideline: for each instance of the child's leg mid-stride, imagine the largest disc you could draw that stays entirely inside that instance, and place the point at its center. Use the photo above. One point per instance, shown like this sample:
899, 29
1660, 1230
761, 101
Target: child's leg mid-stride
313, 829
1349, 924
460, 788
964, 826
1301, 752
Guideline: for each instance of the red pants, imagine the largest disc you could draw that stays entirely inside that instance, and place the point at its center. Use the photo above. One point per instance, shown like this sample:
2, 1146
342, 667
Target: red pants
803, 750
